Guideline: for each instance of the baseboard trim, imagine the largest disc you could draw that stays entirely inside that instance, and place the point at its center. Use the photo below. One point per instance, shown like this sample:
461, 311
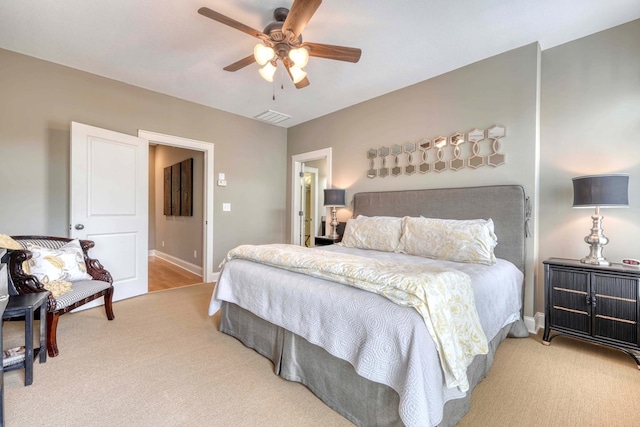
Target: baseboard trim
192, 268
535, 323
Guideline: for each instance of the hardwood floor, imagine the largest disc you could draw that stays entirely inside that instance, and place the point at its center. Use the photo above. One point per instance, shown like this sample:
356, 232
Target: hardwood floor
164, 275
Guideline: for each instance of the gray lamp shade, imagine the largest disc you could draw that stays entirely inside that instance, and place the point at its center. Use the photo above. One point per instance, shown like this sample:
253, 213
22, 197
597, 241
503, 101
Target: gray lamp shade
601, 190
334, 197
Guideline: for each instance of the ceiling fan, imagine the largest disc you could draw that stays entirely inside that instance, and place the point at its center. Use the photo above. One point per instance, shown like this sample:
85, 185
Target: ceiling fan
282, 41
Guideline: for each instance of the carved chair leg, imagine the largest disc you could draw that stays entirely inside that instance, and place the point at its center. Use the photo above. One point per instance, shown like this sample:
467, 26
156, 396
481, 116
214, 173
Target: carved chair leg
108, 304
52, 327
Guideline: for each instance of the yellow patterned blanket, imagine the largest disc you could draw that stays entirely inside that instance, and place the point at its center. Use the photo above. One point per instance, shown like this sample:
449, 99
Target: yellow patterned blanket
443, 297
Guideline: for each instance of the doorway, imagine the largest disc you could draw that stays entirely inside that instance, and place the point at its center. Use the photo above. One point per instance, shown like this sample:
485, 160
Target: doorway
311, 211
177, 274
321, 161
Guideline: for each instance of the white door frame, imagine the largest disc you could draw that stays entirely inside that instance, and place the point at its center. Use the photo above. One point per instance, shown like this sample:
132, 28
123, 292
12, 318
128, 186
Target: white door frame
207, 149
297, 162
313, 205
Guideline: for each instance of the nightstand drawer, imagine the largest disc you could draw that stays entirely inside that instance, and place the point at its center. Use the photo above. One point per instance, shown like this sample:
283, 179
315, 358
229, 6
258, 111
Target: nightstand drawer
616, 286
615, 307
616, 329
569, 279
576, 320
567, 298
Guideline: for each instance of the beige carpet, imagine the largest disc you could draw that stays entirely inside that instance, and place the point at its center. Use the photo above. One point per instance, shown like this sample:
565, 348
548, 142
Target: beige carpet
162, 362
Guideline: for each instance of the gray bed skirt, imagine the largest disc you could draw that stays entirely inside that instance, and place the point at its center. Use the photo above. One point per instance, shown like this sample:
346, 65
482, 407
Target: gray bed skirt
335, 381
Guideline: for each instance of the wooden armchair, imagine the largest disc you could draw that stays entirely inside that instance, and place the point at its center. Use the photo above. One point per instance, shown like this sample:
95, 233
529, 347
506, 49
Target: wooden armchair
82, 291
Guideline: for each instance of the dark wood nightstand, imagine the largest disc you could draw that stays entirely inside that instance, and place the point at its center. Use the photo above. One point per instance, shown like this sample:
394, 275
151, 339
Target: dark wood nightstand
324, 240
595, 303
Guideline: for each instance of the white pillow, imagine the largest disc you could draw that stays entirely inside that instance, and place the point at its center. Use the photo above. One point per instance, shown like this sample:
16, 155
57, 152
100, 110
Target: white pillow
470, 241
380, 233
65, 263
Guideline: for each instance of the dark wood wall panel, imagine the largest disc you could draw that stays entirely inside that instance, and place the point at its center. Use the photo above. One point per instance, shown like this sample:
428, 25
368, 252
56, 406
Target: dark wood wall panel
186, 187
178, 189
175, 189
167, 191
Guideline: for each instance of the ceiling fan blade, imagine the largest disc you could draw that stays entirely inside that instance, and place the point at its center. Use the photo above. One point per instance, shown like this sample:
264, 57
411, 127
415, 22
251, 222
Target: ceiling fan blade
302, 83
240, 64
340, 53
205, 11
299, 16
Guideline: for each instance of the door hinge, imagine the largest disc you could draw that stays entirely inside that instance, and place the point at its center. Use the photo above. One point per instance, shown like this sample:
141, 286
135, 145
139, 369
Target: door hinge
300, 213
301, 174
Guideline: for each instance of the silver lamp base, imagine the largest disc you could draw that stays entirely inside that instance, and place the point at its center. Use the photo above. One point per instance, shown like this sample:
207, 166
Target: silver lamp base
596, 241
334, 224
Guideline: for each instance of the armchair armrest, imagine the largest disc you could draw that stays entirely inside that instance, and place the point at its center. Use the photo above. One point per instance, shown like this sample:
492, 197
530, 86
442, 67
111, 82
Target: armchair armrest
22, 282
94, 268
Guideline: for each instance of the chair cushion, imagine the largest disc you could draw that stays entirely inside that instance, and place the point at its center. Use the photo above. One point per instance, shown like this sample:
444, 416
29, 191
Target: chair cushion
79, 291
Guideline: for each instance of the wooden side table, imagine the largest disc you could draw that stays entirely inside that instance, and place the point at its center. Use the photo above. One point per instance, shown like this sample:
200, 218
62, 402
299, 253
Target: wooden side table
25, 306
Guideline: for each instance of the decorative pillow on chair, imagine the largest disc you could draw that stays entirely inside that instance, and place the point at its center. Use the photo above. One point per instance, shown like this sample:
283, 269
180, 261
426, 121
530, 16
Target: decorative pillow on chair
454, 240
65, 263
58, 287
8, 242
380, 233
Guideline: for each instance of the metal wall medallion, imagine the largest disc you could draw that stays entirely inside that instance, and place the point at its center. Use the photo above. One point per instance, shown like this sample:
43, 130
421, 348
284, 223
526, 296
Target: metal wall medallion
410, 157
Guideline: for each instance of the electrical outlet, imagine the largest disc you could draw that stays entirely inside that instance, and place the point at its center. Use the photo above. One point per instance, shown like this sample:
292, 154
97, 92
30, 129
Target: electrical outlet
195, 254
226, 207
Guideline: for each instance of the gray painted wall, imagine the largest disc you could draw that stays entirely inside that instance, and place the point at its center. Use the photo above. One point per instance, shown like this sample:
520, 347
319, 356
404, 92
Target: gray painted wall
590, 125
498, 90
38, 101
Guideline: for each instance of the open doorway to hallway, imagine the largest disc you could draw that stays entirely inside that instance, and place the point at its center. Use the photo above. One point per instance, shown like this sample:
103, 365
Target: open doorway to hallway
175, 222
188, 244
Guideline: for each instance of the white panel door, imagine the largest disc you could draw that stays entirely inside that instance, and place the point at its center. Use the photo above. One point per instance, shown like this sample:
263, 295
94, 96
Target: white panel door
109, 203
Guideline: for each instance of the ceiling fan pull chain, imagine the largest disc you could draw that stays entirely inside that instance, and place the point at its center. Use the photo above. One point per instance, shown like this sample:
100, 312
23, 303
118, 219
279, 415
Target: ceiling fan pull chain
281, 78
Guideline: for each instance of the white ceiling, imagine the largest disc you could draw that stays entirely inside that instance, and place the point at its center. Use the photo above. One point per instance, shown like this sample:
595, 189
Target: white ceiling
167, 47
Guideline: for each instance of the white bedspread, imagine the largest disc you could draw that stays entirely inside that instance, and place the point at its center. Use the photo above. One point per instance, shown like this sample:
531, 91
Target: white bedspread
385, 342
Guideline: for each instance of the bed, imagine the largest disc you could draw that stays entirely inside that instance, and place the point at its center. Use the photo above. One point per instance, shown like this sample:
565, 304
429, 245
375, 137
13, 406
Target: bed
368, 358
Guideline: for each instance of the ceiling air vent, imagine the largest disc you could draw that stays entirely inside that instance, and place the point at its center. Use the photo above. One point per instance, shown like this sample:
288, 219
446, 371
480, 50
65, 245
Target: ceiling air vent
272, 117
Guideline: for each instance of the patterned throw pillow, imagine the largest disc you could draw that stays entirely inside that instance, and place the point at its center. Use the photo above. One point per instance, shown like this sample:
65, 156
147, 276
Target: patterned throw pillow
380, 233
65, 263
454, 240
9, 242
58, 288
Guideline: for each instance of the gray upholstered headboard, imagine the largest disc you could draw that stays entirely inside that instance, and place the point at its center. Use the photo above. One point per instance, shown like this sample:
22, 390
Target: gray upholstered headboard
506, 205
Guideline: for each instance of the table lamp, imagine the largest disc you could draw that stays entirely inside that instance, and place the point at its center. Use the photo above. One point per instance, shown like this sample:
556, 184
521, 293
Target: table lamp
599, 191
334, 197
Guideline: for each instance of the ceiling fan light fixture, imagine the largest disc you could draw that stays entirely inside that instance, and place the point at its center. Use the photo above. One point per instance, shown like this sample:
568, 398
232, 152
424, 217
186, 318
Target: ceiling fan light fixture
297, 73
263, 54
299, 56
268, 71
